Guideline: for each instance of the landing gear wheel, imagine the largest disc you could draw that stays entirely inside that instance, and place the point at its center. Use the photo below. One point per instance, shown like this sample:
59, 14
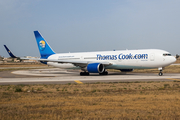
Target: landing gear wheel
84, 73
160, 71
160, 74
104, 73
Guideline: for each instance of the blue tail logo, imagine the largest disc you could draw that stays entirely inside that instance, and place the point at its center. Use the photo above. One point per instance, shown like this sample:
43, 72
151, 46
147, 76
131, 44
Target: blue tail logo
42, 45
44, 48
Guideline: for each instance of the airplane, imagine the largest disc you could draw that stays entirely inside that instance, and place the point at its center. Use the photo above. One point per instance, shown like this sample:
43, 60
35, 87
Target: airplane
99, 62
9, 52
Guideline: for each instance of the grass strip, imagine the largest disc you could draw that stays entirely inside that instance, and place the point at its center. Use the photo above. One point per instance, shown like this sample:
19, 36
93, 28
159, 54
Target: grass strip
131, 100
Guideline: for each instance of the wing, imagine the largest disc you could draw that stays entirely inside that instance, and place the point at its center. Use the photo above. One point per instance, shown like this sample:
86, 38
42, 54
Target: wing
81, 64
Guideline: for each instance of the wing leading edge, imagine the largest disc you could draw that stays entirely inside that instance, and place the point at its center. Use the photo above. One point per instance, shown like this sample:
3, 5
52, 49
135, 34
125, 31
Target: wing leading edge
78, 63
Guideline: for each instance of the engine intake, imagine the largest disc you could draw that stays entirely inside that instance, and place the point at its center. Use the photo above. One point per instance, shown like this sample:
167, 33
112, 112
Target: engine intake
95, 68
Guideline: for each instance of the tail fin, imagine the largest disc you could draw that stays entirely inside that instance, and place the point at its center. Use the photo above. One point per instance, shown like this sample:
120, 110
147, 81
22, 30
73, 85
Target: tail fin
44, 48
9, 52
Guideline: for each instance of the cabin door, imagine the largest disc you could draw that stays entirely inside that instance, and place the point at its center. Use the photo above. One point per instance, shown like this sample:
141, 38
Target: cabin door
152, 57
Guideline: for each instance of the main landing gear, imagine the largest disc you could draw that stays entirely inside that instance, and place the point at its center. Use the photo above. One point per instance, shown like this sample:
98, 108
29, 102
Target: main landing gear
87, 73
84, 73
104, 73
160, 73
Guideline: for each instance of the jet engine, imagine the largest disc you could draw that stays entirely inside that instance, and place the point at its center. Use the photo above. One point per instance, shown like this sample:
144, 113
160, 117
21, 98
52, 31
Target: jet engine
95, 68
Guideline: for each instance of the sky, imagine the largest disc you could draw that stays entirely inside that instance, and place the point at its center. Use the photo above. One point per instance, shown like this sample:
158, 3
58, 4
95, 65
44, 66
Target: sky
89, 25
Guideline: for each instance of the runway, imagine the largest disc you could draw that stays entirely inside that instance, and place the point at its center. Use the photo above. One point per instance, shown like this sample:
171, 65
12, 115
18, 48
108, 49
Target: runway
61, 76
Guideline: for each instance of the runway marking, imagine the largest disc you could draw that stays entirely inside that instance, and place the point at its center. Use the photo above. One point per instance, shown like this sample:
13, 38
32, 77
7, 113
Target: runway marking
173, 79
79, 82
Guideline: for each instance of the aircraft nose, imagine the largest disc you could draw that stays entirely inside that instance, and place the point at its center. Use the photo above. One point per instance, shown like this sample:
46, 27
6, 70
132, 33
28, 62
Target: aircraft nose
173, 59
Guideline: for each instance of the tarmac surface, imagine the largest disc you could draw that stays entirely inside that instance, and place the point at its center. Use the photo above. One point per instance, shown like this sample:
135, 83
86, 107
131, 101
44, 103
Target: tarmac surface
61, 76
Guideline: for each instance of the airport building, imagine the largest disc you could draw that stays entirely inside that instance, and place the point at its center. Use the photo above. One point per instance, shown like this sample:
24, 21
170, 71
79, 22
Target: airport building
6, 60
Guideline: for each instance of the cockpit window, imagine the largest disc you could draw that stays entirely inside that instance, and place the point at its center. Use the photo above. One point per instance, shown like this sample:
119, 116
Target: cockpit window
166, 54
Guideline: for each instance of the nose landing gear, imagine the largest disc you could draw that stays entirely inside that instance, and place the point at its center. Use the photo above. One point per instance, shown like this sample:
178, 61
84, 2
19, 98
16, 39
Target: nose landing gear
160, 73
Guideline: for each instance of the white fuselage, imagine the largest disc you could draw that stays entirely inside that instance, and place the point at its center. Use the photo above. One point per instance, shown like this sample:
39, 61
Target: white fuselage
124, 59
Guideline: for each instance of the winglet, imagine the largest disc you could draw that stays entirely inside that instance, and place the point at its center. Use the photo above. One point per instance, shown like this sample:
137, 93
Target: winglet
44, 48
9, 52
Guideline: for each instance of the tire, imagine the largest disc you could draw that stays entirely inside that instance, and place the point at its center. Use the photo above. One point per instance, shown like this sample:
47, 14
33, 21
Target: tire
84, 73
104, 73
160, 74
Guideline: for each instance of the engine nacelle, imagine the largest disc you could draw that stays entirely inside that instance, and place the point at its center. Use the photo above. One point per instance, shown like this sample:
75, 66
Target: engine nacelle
95, 68
126, 70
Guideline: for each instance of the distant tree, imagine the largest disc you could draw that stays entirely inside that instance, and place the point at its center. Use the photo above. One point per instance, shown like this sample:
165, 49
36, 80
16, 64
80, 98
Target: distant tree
177, 56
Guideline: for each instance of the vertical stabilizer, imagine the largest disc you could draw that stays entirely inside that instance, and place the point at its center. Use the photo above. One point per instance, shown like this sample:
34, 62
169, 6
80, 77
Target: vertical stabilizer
9, 52
44, 48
